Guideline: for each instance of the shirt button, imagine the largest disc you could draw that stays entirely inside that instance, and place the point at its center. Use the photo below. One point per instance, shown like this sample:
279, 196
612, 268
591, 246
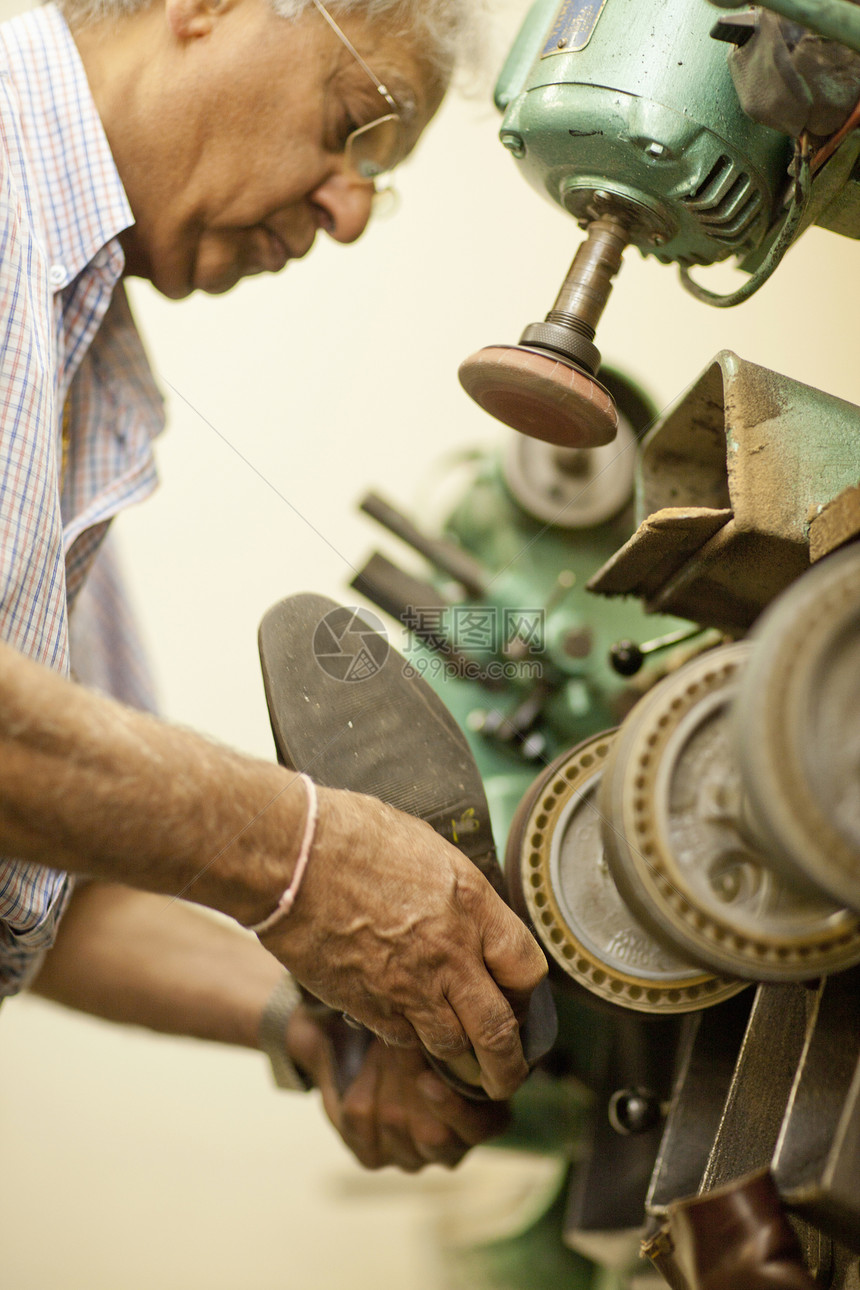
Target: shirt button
57, 275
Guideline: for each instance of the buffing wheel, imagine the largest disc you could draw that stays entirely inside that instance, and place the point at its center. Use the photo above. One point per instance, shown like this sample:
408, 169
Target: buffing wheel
541, 395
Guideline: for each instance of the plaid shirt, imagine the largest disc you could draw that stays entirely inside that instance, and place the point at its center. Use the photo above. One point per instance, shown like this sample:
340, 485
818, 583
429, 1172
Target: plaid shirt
70, 353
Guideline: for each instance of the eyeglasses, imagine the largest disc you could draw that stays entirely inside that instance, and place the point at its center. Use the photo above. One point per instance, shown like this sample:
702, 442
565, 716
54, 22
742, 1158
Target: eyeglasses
376, 148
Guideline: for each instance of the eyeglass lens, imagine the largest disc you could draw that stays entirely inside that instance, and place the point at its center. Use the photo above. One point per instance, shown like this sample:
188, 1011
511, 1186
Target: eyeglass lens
376, 148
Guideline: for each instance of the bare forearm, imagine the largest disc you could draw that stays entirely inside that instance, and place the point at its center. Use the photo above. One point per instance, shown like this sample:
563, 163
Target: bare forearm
134, 957
90, 786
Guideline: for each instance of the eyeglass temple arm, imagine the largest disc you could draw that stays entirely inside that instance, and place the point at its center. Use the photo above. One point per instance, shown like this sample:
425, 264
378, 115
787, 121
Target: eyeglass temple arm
356, 55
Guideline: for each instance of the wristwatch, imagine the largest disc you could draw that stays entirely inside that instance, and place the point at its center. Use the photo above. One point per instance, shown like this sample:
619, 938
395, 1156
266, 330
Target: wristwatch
272, 1035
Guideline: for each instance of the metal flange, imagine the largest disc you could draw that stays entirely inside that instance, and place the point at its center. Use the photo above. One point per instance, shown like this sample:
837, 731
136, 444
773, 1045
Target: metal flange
571, 488
798, 732
677, 848
560, 881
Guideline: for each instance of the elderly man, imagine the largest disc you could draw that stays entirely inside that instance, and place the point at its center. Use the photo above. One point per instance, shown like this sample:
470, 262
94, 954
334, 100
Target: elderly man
193, 142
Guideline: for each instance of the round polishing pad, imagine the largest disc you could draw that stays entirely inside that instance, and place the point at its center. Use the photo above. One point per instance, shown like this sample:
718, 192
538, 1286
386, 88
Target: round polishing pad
541, 395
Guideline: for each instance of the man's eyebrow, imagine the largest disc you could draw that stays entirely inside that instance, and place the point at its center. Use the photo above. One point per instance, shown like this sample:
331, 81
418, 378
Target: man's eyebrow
401, 90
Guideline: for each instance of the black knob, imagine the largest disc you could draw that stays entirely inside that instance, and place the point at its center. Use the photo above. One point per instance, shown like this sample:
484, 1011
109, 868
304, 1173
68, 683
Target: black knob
633, 1110
626, 658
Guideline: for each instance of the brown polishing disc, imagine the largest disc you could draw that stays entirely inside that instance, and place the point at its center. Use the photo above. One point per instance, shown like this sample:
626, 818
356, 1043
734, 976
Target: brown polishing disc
541, 396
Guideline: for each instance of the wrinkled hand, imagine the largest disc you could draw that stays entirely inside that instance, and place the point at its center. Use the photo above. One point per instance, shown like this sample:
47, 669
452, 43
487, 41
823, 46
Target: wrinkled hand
397, 928
396, 1111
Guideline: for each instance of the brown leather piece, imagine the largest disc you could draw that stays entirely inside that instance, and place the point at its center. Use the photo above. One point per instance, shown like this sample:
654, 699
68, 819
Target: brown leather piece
737, 1238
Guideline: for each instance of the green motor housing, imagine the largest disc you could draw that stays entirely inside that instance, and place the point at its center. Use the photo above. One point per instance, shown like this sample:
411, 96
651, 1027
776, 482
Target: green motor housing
630, 103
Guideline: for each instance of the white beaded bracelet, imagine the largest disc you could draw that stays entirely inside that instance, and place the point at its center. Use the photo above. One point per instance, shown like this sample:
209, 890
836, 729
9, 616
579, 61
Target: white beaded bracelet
287, 900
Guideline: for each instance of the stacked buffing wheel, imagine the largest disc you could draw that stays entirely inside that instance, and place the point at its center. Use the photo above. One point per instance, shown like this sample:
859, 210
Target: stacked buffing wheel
681, 849
798, 728
714, 838
560, 881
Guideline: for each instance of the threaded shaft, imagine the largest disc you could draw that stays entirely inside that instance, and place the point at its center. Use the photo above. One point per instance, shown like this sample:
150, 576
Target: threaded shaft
588, 284
571, 321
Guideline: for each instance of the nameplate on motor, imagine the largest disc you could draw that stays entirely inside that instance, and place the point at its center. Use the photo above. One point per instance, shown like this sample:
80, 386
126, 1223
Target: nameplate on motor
573, 27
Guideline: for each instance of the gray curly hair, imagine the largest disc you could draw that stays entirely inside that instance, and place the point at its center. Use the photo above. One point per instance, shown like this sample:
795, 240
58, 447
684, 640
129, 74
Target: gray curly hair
447, 30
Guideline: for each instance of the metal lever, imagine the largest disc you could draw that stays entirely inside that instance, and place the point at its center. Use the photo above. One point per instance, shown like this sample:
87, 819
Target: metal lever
626, 657
446, 556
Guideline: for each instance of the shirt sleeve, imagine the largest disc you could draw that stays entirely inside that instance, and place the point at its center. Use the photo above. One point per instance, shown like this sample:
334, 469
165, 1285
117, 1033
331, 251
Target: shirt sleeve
33, 614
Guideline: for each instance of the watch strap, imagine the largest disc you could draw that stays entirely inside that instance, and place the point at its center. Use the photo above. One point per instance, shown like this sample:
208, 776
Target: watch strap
272, 1035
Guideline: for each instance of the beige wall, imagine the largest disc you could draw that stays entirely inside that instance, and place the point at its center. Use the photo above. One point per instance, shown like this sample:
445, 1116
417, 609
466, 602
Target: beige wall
136, 1162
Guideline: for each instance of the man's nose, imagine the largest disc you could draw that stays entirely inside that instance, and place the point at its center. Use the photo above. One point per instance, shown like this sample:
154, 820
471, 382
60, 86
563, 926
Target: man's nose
343, 202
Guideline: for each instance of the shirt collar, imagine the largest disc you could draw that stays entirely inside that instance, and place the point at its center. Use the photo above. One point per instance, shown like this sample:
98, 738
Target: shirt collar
81, 194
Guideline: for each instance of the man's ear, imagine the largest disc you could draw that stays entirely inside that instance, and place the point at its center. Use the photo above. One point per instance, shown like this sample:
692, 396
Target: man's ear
189, 19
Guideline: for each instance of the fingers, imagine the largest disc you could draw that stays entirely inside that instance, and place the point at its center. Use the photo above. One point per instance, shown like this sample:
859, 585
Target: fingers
310, 1048
358, 1121
487, 996
378, 1118
482, 1044
512, 955
422, 1121
471, 1123
489, 1021
398, 1112
516, 965
403, 1139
